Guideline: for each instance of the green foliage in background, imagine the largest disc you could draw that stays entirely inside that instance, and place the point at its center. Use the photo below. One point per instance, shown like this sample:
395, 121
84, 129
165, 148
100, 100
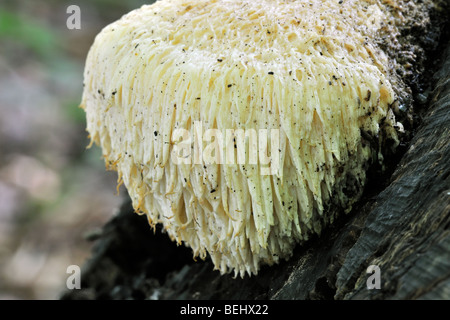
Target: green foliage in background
25, 30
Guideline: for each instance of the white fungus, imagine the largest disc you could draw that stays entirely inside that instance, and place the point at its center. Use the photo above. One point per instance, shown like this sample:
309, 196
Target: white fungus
309, 73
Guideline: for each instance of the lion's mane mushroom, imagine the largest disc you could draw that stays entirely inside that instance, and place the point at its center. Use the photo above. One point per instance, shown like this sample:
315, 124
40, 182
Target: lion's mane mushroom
310, 69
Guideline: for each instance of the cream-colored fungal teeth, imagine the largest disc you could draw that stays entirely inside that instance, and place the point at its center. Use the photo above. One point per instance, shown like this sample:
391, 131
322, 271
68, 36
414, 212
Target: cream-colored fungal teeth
238, 124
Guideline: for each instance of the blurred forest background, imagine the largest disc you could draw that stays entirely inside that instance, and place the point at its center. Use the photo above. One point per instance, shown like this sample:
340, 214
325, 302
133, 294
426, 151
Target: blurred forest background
53, 192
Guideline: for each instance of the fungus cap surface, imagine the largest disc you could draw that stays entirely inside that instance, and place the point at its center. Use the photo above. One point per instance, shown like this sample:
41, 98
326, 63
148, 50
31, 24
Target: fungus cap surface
306, 76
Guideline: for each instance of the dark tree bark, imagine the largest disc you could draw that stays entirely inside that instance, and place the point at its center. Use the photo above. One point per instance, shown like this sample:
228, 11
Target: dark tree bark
403, 228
